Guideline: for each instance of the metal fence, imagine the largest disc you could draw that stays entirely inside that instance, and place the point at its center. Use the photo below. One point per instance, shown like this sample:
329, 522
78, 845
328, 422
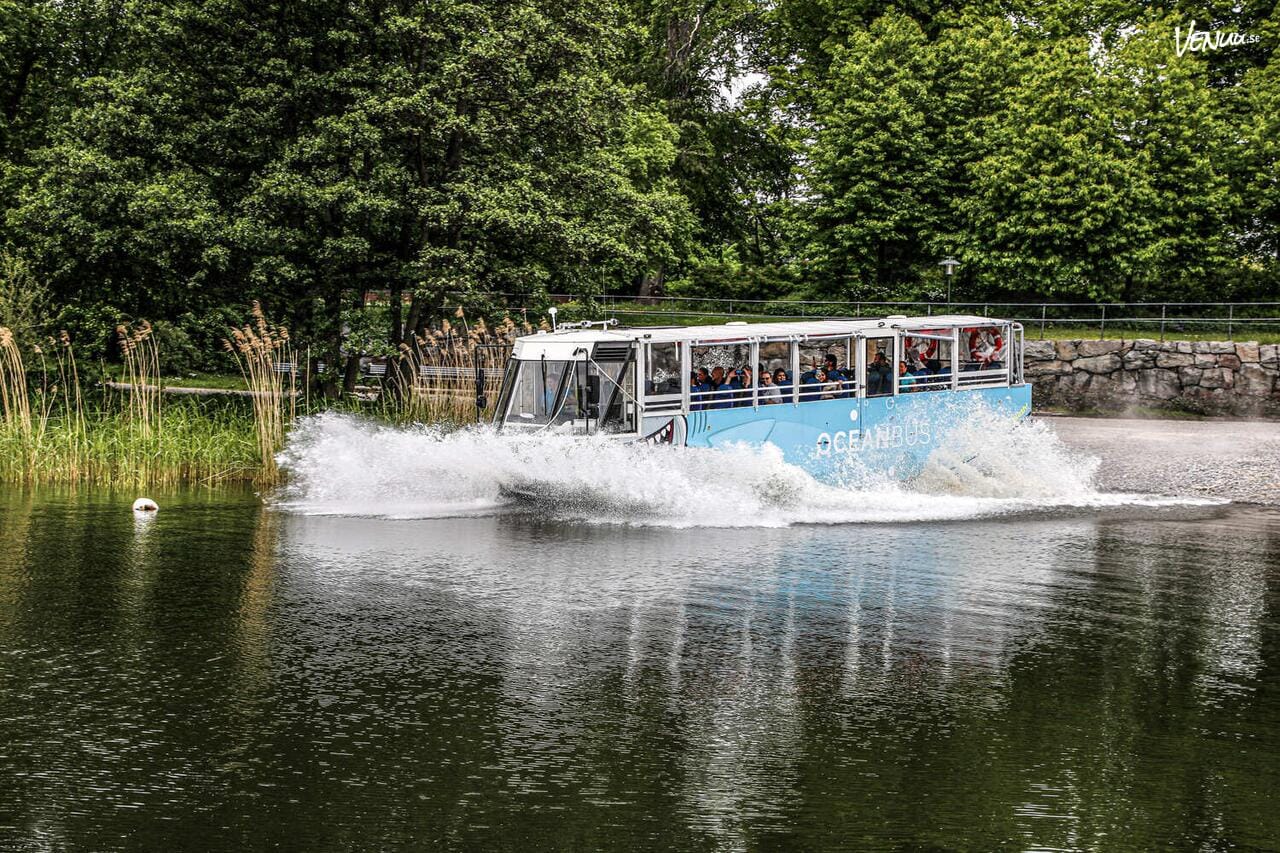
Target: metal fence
1158, 320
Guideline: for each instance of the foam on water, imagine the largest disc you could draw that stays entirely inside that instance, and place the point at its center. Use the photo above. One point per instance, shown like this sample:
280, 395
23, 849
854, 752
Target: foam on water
340, 464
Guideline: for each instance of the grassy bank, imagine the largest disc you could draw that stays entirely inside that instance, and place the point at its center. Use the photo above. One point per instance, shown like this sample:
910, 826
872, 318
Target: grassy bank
58, 427
193, 441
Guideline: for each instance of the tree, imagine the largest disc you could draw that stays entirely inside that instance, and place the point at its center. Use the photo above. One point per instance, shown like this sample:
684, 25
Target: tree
700, 65
306, 154
873, 163
1258, 168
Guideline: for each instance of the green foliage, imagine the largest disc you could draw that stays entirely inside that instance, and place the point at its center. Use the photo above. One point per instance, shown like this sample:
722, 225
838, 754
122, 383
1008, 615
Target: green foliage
873, 171
1065, 153
365, 330
192, 343
424, 147
733, 279
1257, 177
165, 160
22, 299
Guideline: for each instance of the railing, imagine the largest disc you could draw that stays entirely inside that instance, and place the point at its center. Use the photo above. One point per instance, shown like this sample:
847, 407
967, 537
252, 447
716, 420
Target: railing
1134, 319
430, 371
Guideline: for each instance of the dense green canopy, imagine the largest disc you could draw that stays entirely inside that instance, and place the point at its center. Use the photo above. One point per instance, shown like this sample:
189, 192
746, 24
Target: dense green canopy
171, 159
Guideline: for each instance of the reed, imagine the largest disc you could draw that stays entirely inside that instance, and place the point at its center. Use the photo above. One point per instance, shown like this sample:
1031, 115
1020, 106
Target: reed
141, 359
13, 386
442, 367
53, 432
50, 433
259, 347
199, 444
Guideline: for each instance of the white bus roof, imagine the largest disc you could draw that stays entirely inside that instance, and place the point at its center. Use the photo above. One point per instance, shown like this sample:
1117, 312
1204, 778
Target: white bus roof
561, 344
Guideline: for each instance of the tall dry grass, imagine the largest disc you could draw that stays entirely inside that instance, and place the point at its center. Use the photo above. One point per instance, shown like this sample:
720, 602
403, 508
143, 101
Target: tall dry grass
13, 385
258, 347
50, 433
141, 357
442, 368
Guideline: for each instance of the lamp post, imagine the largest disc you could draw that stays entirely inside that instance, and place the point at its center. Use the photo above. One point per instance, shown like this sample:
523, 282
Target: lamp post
553, 311
949, 266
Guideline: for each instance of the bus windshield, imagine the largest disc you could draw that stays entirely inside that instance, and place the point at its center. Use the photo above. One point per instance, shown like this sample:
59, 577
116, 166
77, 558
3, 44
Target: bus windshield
542, 392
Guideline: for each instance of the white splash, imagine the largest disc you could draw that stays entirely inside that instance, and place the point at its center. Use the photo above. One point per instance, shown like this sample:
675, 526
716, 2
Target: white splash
343, 465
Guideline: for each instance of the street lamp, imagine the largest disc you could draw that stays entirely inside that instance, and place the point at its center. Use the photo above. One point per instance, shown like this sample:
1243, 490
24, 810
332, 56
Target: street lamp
949, 266
553, 311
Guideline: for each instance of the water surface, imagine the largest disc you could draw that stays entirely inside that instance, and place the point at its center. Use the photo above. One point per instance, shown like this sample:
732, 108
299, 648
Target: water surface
229, 676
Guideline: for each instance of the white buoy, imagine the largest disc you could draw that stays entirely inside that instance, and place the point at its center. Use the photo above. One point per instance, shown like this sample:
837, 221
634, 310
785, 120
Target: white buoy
145, 505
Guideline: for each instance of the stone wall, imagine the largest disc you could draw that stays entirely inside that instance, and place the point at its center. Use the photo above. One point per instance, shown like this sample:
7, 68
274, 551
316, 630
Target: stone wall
1206, 377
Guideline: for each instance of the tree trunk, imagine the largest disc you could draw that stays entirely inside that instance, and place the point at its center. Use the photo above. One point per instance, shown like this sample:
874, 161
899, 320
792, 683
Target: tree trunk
350, 373
328, 382
653, 282
396, 332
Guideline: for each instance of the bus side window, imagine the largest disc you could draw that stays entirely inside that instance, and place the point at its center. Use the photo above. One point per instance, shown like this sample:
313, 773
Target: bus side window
662, 373
927, 360
829, 361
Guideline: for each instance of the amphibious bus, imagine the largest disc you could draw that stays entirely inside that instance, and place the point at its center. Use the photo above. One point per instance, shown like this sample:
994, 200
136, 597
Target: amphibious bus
884, 391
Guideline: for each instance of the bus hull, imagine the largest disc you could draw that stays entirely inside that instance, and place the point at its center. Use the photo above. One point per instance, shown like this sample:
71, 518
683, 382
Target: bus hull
893, 435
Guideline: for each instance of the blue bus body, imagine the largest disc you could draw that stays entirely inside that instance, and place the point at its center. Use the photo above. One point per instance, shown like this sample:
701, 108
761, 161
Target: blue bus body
893, 434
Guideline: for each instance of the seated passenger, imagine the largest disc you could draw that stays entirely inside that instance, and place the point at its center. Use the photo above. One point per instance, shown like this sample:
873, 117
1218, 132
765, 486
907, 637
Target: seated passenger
844, 381
747, 381
698, 389
879, 375
769, 392
830, 384
717, 379
783, 381
726, 383
905, 379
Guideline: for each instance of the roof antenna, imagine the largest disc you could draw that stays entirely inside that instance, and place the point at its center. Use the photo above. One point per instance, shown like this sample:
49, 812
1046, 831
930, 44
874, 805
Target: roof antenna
553, 311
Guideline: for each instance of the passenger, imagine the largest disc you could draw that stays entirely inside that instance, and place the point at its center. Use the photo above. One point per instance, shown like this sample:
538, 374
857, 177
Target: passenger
830, 382
905, 379
748, 382
699, 389
835, 374
769, 392
879, 376
726, 384
783, 381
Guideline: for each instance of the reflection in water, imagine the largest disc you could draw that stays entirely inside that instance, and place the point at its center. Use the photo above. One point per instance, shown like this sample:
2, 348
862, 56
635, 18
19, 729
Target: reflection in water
233, 677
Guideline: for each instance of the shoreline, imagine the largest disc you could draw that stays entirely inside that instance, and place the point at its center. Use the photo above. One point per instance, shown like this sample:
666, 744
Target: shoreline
1174, 456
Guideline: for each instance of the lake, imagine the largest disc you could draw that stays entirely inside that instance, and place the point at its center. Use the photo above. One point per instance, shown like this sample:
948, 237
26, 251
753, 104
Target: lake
1044, 673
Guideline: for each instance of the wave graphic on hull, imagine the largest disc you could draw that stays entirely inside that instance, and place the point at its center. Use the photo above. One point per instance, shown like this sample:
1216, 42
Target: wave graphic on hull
989, 466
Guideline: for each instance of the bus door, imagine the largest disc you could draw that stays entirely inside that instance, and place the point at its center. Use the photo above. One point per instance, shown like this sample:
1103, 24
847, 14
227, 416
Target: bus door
879, 365
878, 359
611, 388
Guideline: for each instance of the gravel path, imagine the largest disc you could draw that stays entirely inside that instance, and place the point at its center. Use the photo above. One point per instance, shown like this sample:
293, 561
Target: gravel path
1237, 460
